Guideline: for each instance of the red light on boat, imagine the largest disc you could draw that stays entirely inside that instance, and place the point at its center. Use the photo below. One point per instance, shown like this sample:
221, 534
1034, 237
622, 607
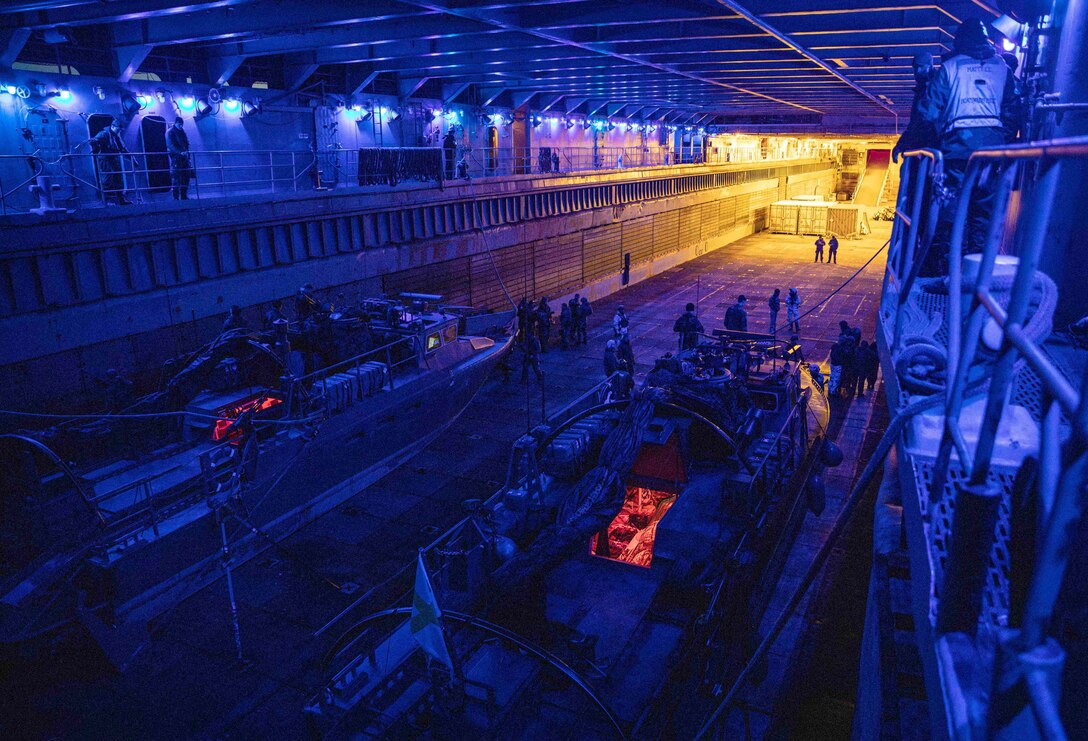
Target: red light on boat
222, 426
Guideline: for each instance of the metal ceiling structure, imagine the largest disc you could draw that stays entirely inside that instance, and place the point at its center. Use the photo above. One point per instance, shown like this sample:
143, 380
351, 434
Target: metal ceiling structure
719, 58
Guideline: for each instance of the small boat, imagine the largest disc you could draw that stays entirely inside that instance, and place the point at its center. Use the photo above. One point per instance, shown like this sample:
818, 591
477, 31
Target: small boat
612, 585
114, 518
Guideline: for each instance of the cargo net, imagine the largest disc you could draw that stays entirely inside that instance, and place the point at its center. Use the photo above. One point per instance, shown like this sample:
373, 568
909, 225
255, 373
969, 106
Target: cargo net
939, 515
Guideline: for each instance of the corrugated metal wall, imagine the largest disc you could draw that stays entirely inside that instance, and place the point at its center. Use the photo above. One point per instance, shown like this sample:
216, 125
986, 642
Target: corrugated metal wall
554, 267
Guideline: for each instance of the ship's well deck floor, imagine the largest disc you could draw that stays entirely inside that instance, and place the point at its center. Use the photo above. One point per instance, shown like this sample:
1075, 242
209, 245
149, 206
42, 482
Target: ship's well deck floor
185, 681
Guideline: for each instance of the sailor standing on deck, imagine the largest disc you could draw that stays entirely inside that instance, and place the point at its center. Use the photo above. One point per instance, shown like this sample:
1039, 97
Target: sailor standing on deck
689, 328
971, 102
819, 249
181, 168
566, 326
775, 304
793, 311
108, 147
620, 322
544, 323
584, 312
736, 316
833, 251
920, 133
611, 361
530, 348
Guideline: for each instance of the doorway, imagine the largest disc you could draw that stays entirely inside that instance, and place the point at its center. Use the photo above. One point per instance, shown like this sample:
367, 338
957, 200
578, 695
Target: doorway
492, 158
156, 161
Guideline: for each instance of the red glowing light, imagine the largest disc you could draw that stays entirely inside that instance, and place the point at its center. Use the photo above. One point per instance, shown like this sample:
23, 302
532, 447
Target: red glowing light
630, 536
222, 430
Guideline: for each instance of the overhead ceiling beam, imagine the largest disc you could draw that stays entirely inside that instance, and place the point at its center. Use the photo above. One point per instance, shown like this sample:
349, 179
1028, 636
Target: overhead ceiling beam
12, 41
417, 33
35, 15
511, 26
129, 59
553, 100
408, 87
220, 69
451, 92
522, 98
365, 83
253, 19
788, 41
488, 94
494, 61
294, 75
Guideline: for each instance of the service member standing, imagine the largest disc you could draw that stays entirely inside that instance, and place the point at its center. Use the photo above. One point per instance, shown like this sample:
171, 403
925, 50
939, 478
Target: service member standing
108, 147
181, 166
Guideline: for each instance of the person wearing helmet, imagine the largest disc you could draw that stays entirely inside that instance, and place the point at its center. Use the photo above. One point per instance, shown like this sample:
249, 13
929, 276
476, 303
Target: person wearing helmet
971, 102
920, 133
611, 360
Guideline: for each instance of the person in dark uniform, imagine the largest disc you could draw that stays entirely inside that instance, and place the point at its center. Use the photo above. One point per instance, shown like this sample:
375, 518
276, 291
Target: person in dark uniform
449, 152
544, 323
566, 326
118, 390
689, 328
108, 147
181, 166
625, 353
971, 103
819, 249
584, 312
774, 303
611, 359
530, 349
736, 317
920, 133
274, 314
234, 320
833, 250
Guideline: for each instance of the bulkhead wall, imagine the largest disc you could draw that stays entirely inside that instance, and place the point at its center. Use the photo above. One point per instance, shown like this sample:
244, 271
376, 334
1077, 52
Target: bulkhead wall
131, 289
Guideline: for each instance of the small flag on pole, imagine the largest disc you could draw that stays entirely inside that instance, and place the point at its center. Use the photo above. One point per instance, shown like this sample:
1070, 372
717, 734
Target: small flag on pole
425, 616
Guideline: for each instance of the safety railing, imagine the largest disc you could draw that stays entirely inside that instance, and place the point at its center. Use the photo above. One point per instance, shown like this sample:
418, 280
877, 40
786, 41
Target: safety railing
87, 180
30, 183
991, 340
395, 355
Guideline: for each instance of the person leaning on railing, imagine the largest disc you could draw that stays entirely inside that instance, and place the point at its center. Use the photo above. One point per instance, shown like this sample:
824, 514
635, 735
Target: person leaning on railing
108, 148
971, 102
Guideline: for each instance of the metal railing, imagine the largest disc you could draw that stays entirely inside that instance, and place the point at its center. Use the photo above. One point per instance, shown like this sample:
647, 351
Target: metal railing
31, 183
81, 180
1062, 470
410, 346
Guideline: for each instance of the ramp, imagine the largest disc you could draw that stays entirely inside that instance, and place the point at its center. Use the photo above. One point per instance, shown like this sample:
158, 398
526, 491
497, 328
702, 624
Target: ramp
872, 181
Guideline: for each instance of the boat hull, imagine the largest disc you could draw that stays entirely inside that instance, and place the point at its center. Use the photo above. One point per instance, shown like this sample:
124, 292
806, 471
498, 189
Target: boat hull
162, 565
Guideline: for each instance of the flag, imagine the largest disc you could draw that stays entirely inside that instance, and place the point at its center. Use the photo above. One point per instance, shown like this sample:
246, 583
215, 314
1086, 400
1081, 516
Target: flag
425, 625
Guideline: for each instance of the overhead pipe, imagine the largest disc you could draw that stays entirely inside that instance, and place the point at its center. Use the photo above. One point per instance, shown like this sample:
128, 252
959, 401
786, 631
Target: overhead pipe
788, 41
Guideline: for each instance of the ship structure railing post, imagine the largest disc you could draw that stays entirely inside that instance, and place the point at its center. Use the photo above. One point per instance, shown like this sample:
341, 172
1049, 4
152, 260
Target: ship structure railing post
1024, 695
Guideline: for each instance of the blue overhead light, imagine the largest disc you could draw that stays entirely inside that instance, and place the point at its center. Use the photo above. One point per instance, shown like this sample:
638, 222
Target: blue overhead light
187, 103
145, 101
231, 105
64, 95
537, 120
10, 89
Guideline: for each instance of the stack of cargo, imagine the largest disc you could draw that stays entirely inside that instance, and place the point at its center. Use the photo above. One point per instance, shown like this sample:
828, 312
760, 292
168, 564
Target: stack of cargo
804, 216
345, 388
